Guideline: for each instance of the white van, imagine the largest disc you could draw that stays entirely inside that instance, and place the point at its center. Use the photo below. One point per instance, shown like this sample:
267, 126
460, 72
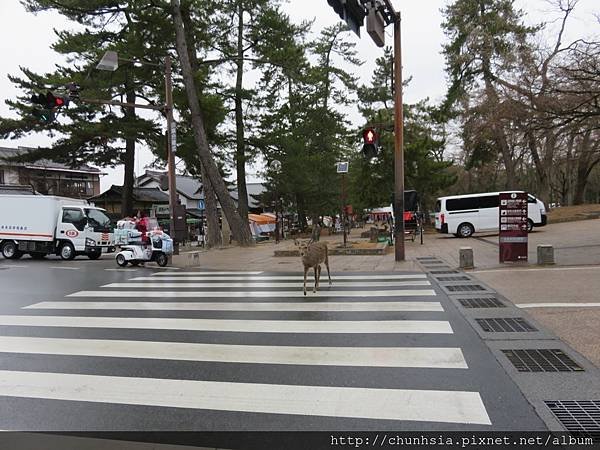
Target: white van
463, 215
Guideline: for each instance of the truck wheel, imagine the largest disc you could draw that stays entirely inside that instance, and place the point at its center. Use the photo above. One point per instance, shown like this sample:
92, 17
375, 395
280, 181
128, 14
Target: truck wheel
465, 230
95, 254
67, 251
37, 255
162, 260
529, 225
10, 250
121, 261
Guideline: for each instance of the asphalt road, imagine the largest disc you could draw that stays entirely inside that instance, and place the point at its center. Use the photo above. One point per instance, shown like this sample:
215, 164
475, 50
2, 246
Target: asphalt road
87, 347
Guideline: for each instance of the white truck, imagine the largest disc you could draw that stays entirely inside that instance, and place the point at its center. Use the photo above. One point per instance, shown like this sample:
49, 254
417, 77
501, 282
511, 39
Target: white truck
41, 225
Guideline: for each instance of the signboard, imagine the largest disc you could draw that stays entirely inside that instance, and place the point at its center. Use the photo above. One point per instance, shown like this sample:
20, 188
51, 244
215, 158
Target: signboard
513, 226
161, 210
173, 137
342, 167
201, 205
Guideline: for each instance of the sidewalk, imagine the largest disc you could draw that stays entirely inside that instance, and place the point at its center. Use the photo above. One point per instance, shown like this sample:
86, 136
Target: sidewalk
261, 257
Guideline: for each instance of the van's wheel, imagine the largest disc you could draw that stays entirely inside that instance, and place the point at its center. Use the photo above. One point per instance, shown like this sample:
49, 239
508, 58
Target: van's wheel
529, 225
37, 255
67, 251
465, 230
121, 261
95, 254
162, 260
10, 250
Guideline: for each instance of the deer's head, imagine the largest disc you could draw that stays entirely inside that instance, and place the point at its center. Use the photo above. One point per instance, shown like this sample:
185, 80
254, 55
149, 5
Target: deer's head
302, 245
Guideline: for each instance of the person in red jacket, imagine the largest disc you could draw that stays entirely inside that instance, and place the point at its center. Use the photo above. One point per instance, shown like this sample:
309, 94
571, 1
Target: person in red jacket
142, 226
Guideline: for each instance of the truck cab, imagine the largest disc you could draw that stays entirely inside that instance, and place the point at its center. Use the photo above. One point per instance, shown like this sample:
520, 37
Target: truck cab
83, 230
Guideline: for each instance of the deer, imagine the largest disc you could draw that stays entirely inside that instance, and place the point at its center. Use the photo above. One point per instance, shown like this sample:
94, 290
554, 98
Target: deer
313, 254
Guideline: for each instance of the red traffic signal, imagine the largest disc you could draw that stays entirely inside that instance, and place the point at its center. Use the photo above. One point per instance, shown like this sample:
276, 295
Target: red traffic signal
370, 143
370, 136
52, 101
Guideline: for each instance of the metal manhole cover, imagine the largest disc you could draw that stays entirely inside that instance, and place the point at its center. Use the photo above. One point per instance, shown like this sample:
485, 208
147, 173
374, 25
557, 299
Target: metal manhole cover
465, 288
439, 272
461, 278
542, 360
578, 416
481, 302
508, 325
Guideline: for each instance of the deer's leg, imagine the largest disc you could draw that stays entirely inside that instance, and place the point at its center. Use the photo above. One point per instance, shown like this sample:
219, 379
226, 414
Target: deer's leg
318, 276
327, 265
315, 270
305, 272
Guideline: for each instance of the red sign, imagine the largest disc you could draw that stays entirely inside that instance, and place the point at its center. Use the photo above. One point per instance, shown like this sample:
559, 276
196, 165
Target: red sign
513, 226
72, 233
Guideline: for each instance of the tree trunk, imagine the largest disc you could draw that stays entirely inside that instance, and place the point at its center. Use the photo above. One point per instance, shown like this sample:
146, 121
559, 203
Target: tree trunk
240, 153
214, 237
240, 228
128, 157
585, 165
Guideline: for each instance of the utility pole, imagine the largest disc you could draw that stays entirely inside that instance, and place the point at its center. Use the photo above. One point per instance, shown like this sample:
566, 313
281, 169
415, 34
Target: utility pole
398, 145
171, 150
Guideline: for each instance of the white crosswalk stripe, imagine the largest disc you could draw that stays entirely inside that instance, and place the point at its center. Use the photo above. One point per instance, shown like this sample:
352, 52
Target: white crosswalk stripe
261, 320
249, 284
186, 277
442, 358
257, 294
244, 306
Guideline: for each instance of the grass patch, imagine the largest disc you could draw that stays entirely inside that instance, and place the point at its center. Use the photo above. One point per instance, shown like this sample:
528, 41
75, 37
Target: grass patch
573, 213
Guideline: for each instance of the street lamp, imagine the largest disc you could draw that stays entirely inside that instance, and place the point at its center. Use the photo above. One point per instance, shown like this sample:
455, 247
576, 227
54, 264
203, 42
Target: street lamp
276, 167
110, 62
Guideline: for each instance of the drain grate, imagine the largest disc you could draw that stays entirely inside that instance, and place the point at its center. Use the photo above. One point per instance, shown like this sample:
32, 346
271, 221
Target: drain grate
508, 325
542, 360
465, 288
439, 272
461, 278
579, 416
481, 302
427, 258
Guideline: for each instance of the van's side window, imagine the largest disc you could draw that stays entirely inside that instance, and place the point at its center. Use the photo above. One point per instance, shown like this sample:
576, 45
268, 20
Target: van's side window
74, 216
458, 204
489, 201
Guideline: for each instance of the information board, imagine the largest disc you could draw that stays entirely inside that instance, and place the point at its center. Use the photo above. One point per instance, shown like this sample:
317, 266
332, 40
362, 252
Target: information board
513, 226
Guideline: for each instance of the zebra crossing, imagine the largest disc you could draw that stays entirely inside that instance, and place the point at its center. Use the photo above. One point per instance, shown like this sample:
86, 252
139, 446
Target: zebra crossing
245, 337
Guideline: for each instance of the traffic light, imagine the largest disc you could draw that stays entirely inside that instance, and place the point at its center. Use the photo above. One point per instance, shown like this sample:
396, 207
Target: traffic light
350, 11
49, 103
370, 143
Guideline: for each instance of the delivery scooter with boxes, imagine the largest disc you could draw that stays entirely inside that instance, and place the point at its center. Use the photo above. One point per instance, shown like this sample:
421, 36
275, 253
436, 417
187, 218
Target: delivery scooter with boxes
133, 249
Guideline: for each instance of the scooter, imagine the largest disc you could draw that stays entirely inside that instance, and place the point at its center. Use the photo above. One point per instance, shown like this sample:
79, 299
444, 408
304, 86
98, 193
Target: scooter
158, 250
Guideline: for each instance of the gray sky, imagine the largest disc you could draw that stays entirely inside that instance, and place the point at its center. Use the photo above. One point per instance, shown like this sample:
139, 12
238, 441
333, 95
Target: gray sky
25, 40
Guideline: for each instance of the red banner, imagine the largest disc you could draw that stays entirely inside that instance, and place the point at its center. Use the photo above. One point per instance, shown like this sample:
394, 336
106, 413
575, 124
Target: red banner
513, 226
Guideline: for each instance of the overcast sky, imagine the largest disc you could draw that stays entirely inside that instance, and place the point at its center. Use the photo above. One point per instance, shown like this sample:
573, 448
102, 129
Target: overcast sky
25, 40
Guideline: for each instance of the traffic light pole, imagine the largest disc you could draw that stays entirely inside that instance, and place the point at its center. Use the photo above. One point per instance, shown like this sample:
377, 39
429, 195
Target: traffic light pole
398, 145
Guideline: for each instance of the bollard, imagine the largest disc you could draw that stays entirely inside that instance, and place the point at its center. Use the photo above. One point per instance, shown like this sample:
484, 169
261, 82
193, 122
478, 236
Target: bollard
545, 255
465, 258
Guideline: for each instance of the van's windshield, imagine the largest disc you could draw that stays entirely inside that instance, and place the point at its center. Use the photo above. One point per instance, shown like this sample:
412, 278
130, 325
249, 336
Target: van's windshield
438, 206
